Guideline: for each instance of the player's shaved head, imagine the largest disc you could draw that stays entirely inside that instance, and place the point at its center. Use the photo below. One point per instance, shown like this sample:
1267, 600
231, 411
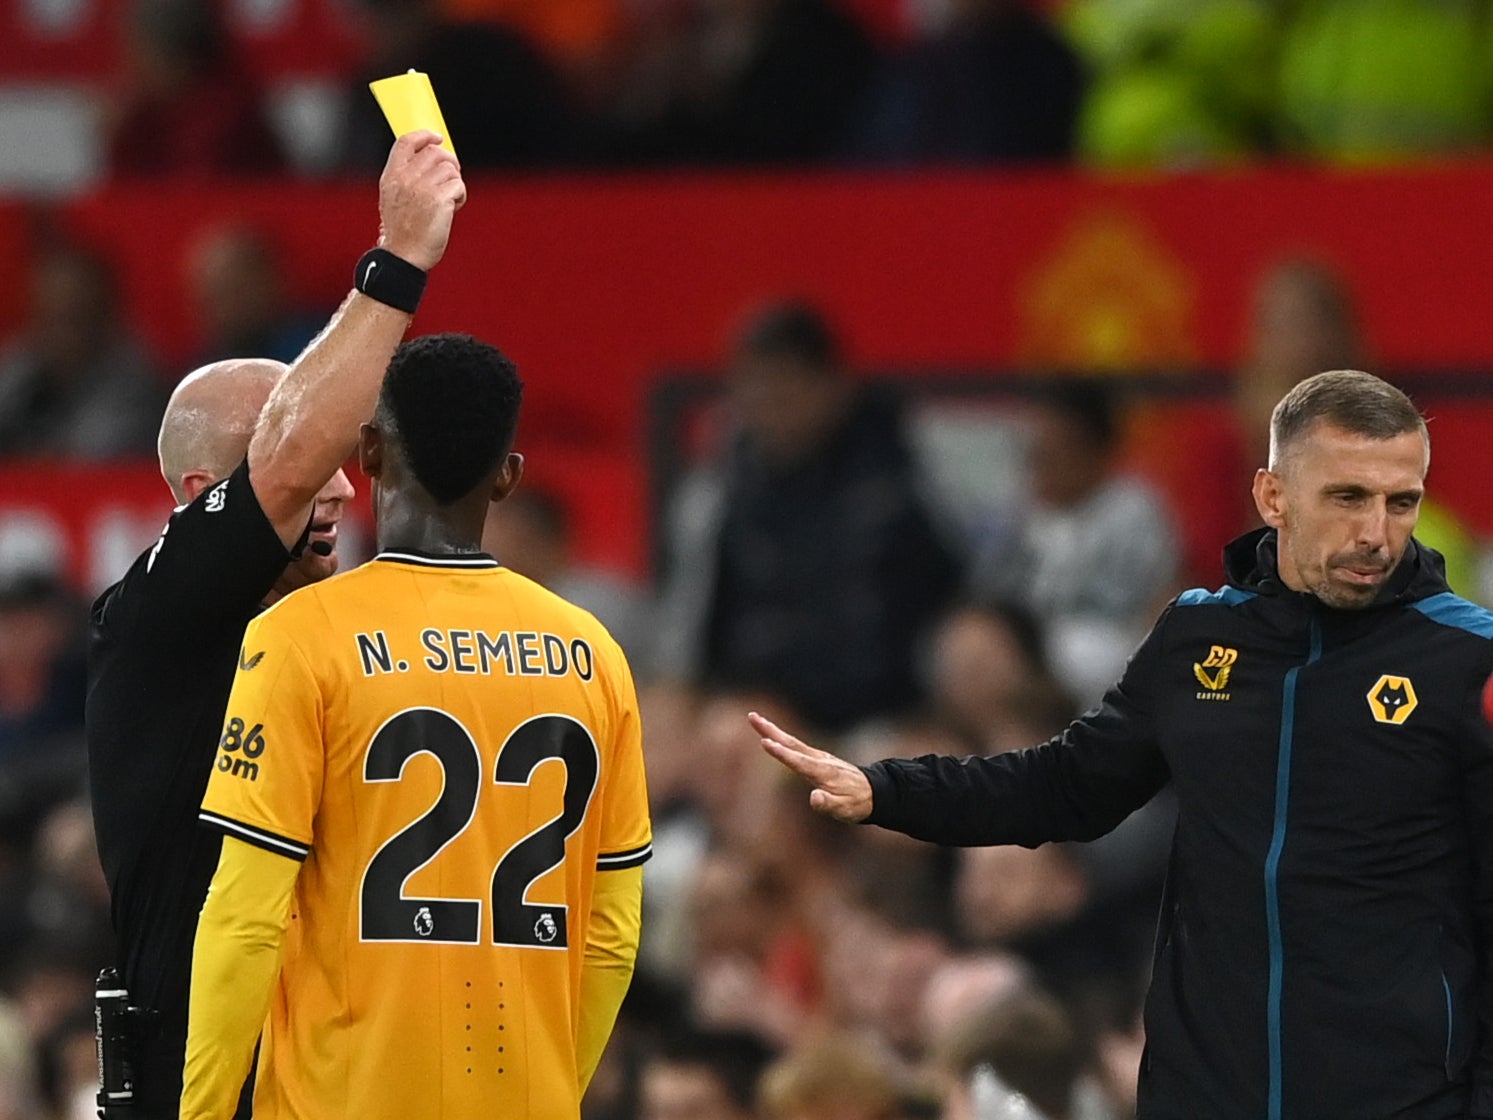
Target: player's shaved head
210, 419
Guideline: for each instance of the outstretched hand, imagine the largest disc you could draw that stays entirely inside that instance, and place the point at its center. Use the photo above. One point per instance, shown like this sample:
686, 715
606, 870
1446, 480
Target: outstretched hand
841, 790
419, 194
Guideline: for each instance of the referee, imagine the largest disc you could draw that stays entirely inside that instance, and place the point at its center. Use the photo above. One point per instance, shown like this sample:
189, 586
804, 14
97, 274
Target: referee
253, 454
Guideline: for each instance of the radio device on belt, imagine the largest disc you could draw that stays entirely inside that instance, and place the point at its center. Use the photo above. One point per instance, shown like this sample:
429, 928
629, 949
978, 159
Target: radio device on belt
117, 1026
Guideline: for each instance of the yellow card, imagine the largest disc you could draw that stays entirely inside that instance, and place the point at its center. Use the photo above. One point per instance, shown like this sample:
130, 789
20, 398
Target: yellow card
410, 105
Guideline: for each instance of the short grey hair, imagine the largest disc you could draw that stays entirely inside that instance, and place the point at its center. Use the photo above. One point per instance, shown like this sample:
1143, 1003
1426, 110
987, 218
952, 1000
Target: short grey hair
1349, 399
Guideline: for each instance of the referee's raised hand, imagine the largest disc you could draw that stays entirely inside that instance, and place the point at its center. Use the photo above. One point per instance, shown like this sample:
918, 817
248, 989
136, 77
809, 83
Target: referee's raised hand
841, 790
419, 194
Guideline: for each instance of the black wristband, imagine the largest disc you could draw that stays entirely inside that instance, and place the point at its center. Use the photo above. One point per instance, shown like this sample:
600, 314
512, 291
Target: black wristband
390, 280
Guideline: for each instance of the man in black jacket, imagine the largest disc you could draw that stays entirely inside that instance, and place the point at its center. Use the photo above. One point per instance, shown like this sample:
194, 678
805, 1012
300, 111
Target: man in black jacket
253, 453
805, 562
1324, 948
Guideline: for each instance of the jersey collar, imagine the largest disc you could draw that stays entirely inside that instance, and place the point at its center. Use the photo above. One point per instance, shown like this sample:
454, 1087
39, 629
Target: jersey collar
438, 560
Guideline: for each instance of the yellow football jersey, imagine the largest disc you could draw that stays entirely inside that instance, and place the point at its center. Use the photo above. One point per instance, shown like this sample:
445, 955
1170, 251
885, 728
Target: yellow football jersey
454, 752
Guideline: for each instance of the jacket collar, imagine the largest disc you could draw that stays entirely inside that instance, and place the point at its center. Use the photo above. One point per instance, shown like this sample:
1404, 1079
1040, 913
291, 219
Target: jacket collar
1251, 563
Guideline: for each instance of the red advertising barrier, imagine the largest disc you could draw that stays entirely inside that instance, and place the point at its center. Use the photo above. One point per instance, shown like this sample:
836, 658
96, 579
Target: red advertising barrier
596, 285
597, 282
97, 518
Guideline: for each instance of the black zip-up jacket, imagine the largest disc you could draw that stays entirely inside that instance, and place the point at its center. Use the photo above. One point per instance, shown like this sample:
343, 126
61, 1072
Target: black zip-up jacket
1325, 949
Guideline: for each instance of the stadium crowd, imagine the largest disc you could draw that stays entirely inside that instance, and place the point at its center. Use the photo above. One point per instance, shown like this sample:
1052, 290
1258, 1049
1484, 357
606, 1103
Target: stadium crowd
624, 83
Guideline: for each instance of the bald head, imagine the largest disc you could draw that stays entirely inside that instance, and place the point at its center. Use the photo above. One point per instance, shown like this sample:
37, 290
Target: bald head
210, 420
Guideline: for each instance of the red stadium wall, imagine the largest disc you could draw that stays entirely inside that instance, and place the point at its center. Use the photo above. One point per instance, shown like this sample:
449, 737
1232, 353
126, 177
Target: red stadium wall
596, 285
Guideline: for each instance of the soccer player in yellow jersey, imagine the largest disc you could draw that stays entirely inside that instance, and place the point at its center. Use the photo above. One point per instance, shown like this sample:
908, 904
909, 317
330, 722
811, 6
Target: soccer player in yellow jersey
430, 784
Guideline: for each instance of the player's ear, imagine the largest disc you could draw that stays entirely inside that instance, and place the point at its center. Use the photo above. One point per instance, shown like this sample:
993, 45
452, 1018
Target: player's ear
508, 476
1269, 496
194, 483
370, 450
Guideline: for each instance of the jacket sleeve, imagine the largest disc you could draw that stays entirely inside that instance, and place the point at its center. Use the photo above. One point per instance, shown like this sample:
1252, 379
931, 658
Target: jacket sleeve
1478, 801
1077, 786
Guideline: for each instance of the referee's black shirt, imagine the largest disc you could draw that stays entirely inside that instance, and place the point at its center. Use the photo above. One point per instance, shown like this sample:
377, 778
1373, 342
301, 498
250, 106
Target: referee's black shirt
164, 645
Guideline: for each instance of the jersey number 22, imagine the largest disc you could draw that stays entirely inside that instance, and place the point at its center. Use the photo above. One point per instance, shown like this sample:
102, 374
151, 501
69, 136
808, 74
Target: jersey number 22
387, 914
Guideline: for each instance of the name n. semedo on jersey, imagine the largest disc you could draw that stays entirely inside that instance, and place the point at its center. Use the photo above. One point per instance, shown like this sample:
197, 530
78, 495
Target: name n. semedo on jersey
516, 653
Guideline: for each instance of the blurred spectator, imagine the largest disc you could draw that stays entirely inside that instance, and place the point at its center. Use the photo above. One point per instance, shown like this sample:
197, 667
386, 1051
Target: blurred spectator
41, 665
70, 1065
741, 81
753, 967
745, 802
18, 1080
582, 37
1303, 322
995, 83
501, 102
876, 975
67, 907
1175, 84
904, 882
188, 106
1013, 896
805, 561
1376, 80
42, 682
237, 284
1073, 912
530, 533
74, 382
708, 1075
1096, 554
991, 683
681, 832
832, 1076
44, 983
1023, 1043
710, 795
990, 679
963, 985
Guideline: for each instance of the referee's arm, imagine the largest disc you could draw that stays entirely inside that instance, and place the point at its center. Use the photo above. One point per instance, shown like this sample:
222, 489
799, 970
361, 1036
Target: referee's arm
309, 426
235, 960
